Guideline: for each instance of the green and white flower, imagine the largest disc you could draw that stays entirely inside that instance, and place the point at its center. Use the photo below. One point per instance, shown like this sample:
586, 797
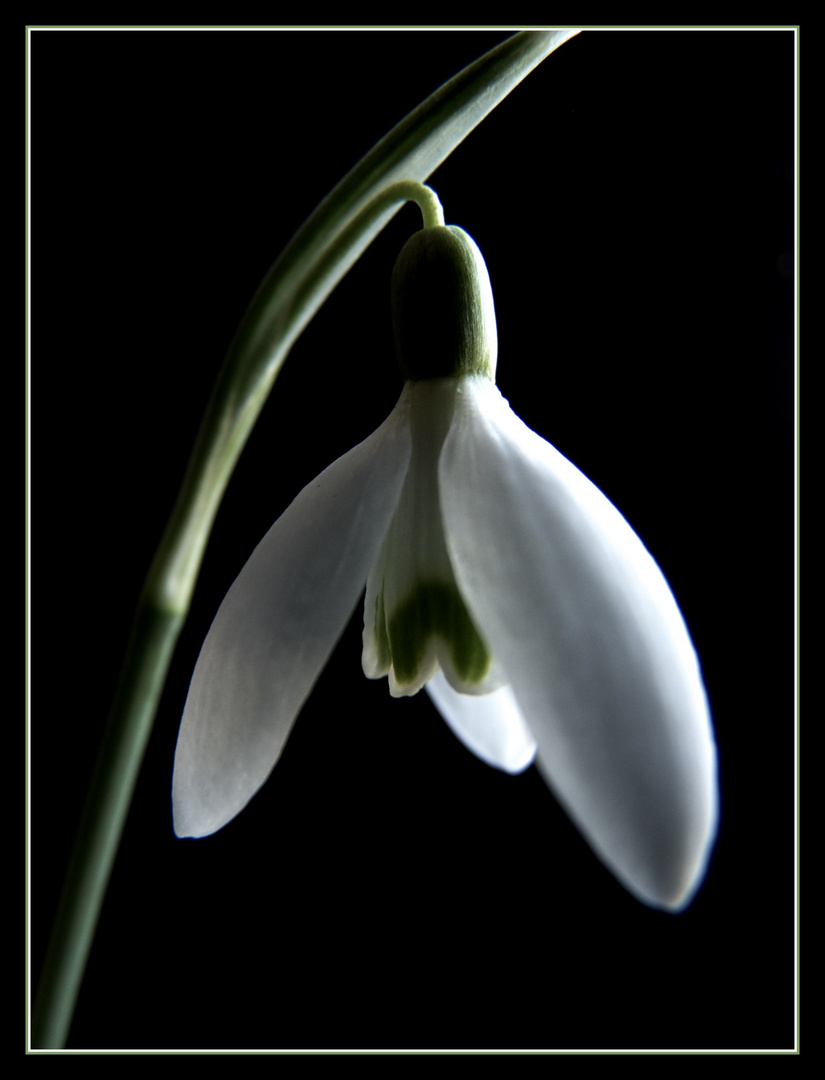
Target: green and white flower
498, 578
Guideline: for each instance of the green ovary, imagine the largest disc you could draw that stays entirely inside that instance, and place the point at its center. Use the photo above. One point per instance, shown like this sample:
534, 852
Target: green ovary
435, 610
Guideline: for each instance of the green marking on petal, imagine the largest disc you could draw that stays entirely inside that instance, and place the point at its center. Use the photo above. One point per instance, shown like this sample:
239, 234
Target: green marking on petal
382, 641
436, 610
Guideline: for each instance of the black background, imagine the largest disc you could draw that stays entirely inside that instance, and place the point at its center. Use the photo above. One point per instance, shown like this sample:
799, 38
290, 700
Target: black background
634, 202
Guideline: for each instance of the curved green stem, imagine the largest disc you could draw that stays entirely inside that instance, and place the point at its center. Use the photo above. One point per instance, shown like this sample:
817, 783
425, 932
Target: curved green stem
317, 258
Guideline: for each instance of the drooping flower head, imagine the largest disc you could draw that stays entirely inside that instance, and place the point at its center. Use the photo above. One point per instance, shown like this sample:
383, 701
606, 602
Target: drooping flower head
497, 577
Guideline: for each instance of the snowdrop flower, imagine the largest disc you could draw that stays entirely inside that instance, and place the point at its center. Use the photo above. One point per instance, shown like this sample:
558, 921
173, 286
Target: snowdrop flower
498, 578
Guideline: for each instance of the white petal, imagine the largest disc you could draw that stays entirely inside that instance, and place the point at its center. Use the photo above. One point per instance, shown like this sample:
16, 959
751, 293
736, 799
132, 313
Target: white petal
277, 626
581, 619
490, 725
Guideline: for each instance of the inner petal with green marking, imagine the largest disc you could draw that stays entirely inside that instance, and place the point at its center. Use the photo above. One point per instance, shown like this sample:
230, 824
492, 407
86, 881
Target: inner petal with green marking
415, 619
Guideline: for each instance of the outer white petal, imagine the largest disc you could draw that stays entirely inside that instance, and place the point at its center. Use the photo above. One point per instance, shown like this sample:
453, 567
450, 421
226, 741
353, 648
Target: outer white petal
598, 655
277, 626
490, 725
